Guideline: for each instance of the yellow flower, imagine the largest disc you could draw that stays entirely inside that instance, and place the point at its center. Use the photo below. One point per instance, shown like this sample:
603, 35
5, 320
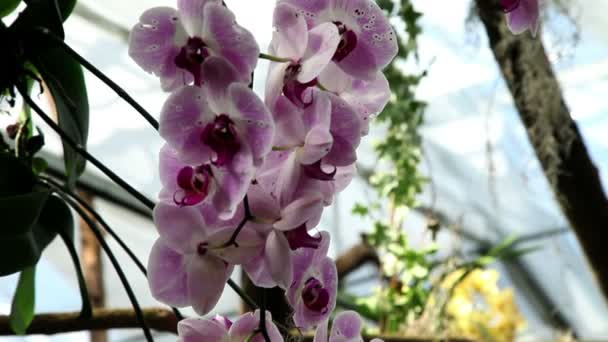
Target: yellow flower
479, 309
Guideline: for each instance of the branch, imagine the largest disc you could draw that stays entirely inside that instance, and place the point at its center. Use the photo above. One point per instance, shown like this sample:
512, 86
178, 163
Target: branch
555, 137
355, 257
102, 319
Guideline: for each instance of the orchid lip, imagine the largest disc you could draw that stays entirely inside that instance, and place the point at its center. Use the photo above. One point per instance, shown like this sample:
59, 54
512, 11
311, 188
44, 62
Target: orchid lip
315, 296
191, 56
221, 136
348, 42
509, 5
315, 171
299, 238
194, 184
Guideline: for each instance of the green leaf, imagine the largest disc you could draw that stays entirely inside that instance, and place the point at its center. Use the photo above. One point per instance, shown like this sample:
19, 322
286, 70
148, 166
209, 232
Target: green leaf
360, 209
62, 222
65, 80
66, 7
22, 309
15, 176
8, 6
39, 13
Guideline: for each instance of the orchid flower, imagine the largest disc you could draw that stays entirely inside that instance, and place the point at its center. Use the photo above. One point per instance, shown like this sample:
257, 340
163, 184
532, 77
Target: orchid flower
221, 329
189, 264
308, 52
312, 293
367, 41
221, 131
346, 327
173, 44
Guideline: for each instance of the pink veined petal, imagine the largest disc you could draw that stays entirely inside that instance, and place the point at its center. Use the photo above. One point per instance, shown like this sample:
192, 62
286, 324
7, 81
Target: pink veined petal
318, 114
317, 144
244, 327
207, 276
167, 275
321, 335
347, 324
303, 210
171, 76
290, 129
231, 41
254, 119
274, 83
310, 9
169, 167
233, 182
263, 205
258, 272
346, 130
153, 39
249, 243
183, 117
278, 259
368, 98
376, 41
291, 35
218, 74
180, 227
342, 153
335, 79
248, 323
323, 41
192, 13
198, 329
288, 179
524, 17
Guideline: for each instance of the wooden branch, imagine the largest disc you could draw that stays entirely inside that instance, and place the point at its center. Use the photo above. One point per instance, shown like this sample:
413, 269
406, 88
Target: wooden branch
91, 260
555, 137
54, 323
355, 257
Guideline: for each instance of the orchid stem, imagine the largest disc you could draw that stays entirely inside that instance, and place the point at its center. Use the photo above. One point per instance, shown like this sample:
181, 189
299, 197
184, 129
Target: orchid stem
105, 79
248, 216
262, 326
274, 58
108, 229
123, 279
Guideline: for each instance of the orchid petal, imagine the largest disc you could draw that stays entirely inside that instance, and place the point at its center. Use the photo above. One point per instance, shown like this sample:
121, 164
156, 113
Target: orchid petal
197, 329
167, 275
306, 209
291, 32
278, 259
322, 43
207, 276
180, 227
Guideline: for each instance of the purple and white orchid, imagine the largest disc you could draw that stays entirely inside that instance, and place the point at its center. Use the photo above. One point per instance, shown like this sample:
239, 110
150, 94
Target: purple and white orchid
221, 329
245, 181
173, 44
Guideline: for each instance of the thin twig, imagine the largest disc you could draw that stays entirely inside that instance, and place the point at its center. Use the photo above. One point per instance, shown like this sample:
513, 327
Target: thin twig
80, 150
262, 326
105, 79
121, 275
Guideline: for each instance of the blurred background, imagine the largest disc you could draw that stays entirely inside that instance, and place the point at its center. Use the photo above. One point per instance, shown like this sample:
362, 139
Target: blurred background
480, 181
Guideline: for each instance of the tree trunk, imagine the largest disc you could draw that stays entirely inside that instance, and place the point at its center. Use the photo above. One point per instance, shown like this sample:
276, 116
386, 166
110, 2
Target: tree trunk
555, 137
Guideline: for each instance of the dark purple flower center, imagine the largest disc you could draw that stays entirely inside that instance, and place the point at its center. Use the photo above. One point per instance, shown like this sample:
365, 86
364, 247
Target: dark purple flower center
315, 297
299, 237
315, 171
201, 249
191, 56
294, 90
194, 185
509, 5
221, 137
348, 42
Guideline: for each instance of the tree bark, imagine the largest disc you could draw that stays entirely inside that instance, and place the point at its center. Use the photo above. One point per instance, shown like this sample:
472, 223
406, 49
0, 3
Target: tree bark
93, 269
555, 137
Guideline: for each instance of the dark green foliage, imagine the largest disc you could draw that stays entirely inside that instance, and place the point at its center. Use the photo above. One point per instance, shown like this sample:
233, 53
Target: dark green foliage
65, 80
